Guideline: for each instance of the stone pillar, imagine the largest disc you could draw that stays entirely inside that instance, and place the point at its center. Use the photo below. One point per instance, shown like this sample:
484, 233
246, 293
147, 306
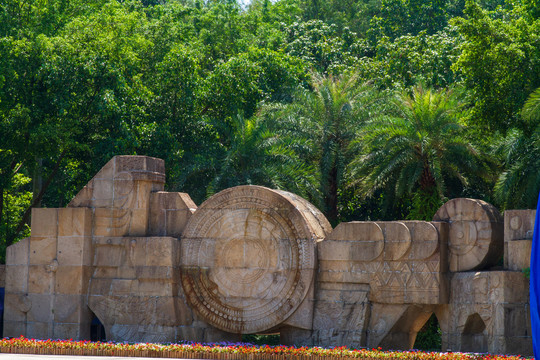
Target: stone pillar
48, 275
133, 288
489, 312
518, 232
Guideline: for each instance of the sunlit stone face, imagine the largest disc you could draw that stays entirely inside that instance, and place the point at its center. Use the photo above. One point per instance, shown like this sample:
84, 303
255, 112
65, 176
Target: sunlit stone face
247, 259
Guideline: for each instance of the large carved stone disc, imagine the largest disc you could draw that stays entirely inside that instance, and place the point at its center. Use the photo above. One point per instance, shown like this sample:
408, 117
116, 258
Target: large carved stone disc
248, 257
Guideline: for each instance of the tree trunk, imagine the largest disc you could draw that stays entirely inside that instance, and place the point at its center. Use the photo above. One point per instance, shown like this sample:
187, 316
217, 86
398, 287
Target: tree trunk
331, 198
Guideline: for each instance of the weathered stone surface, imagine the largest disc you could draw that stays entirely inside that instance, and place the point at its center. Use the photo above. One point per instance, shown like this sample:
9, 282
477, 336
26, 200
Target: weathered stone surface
169, 213
341, 314
475, 233
120, 195
151, 266
133, 285
250, 254
488, 312
518, 232
355, 241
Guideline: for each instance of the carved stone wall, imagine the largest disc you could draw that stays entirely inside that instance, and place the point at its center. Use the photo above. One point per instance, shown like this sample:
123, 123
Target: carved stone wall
151, 266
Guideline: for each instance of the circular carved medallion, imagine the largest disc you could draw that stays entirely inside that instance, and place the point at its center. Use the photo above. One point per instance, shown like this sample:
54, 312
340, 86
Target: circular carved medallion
248, 257
475, 233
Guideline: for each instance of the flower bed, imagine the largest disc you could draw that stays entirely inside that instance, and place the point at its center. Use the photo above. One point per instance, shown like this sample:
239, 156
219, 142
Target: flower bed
222, 351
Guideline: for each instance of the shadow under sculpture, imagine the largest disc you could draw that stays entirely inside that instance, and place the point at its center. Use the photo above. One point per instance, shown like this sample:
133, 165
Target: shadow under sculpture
154, 267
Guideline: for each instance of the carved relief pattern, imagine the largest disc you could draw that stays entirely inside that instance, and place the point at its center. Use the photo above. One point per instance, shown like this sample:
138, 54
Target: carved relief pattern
247, 260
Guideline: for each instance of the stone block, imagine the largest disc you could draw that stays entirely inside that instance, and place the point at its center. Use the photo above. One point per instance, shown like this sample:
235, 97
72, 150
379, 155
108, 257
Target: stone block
42, 308
124, 287
127, 272
17, 279
425, 240
109, 254
169, 213
302, 318
67, 331
100, 286
517, 254
365, 239
71, 309
139, 222
18, 253
397, 239
44, 222
15, 308
154, 273
154, 288
14, 329
165, 314
138, 163
297, 337
105, 272
103, 222
517, 321
381, 320
42, 250
189, 333
518, 224
74, 251
341, 306
72, 279
40, 279
39, 330
103, 192
83, 197
135, 251
160, 251
184, 314
75, 222
176, 221
157, 221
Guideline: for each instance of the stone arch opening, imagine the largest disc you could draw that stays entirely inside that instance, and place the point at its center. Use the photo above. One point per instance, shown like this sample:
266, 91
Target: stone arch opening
97, 330
402, 336
473, 337
429, 337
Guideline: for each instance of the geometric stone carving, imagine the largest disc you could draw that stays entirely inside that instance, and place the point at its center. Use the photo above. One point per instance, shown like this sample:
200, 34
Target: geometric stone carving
475, 233
248, 258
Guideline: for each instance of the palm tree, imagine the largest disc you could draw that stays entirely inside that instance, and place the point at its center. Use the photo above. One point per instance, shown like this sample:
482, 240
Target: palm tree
416, 148
253, 155
518, 185
324, 122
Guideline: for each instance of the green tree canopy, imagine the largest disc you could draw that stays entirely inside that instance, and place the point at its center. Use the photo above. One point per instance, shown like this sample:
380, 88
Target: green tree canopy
416, 149
327, 119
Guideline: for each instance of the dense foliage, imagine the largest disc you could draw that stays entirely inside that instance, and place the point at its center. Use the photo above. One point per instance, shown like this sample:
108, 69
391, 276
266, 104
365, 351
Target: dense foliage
371, 109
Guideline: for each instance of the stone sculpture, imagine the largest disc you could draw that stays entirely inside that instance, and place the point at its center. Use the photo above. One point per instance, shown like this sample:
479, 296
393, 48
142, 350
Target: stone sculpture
151, 266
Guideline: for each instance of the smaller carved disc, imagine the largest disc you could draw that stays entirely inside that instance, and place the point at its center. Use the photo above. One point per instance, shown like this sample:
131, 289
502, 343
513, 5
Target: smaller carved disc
475, 239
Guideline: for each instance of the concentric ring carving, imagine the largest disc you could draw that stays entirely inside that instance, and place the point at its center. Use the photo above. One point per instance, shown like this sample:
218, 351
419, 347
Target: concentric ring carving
248, 259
